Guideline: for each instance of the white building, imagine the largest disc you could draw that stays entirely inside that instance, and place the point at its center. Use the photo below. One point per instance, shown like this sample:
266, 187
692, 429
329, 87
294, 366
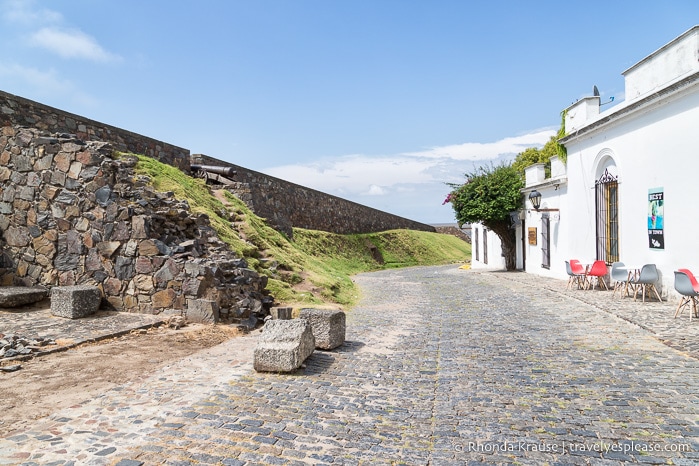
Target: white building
543, 233
608, 201
486, 252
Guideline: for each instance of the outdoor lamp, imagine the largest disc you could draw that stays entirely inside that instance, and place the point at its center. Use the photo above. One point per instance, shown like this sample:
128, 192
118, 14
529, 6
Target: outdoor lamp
535, 199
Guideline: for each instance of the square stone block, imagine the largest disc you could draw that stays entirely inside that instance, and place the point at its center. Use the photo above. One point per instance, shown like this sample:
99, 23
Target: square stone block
283, 345
328, 326
202, 311
74, 302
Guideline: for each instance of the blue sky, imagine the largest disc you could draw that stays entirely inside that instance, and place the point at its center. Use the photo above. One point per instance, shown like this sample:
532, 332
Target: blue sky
378, 101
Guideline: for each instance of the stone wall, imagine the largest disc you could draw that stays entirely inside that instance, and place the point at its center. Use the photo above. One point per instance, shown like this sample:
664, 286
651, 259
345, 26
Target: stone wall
72, 214
463, 233
285, 205
16, 110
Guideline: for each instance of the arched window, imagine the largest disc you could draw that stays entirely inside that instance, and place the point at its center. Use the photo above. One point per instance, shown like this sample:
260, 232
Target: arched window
607, 208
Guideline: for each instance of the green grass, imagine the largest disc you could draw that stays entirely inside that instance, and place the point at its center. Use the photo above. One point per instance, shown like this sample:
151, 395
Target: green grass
314, 268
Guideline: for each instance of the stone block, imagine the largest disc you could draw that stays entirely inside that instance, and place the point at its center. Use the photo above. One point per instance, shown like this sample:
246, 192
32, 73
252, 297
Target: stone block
203, 311
283, 345
74, 302
280, 313
15, 296
328, 326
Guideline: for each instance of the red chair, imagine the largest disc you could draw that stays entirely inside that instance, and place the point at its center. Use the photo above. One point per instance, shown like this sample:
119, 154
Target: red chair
577, 269
695, 283
598, 270
573, 277
686, 286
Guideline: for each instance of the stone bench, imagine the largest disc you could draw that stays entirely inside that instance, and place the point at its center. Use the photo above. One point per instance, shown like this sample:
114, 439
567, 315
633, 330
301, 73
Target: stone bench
74, 302
328, 327
16, 296
283, 345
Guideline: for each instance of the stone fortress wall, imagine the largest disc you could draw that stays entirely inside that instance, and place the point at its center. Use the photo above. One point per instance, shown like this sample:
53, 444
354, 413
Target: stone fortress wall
283, 204
16, 110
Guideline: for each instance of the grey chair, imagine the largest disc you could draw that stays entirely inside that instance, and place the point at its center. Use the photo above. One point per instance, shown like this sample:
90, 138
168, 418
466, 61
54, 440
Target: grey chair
645, 281
620, 275
573, 277
685, 287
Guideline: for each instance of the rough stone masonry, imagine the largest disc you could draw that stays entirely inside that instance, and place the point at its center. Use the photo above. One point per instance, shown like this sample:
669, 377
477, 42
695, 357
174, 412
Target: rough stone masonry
73, 214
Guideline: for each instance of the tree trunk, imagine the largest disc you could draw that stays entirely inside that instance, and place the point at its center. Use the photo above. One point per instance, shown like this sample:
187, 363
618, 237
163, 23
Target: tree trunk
507, 242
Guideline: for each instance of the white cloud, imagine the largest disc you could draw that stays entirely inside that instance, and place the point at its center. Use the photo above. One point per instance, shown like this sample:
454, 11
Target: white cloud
412, 184
488, 151
23, 12
44, 79
361, 174
44, 83
50, 32
356, 174
71, 43
375, 190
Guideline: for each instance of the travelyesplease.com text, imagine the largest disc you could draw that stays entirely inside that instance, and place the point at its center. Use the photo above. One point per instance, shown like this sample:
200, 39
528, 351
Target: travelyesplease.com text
629, 447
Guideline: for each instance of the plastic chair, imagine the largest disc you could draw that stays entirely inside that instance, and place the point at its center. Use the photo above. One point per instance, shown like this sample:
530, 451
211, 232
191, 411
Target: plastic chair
598, 270
646, 281
620, 275
572, 276
579, 271
694, 281
685, 287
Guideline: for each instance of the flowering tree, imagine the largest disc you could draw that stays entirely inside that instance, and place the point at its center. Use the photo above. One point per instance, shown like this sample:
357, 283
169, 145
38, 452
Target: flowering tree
488, 196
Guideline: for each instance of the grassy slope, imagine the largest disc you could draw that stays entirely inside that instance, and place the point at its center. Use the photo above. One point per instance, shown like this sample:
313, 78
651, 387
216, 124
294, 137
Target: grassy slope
315, 267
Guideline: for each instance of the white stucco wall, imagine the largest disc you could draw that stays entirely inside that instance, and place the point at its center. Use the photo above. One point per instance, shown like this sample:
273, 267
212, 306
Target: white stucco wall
671, 62
495, 259
550, 199
581, 112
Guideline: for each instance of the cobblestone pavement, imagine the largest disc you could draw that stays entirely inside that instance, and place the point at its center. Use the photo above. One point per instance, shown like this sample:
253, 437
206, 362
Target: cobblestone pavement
653, 316
442, 367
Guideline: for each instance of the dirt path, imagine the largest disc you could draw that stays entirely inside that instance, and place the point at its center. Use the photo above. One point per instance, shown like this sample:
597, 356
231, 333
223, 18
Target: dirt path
48, 383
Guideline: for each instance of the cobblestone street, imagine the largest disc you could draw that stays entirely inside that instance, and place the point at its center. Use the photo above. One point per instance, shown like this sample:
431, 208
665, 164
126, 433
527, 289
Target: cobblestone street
442, 367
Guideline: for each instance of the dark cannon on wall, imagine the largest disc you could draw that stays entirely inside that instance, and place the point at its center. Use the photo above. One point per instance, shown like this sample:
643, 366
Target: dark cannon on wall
214, 173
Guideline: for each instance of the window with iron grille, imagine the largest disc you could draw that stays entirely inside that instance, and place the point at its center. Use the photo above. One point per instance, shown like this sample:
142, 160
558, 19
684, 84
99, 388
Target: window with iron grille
475, 243
607, 207
545, 242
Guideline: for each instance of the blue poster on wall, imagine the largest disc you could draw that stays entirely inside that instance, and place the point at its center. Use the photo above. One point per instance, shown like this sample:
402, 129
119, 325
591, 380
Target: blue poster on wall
656, 218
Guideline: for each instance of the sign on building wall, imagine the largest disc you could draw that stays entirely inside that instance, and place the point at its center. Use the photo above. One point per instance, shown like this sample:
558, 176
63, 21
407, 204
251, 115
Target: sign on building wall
532, 235
656, 218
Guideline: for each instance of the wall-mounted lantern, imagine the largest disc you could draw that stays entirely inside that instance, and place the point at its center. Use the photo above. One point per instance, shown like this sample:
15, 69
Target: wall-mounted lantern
535, 199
